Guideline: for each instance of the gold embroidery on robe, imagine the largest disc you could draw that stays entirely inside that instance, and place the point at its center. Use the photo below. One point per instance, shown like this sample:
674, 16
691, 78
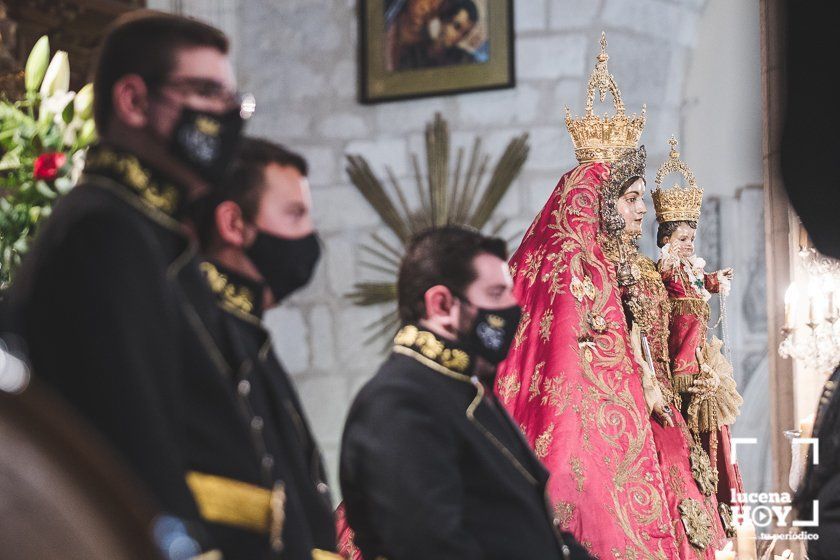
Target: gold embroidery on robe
563, 512
521, 335
691, 306
536, 379
577, 473
698, 526
725, 512
554, 395
543, 442
702, 470
555, 288
509, 386
605, 368
675, 480
545, 325
533, 263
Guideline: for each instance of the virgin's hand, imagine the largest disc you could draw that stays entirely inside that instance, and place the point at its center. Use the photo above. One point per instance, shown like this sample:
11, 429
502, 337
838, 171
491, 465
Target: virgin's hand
663, 414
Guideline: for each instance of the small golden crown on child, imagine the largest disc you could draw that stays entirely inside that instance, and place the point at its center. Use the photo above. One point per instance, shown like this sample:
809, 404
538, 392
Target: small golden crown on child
604, 139
676, 204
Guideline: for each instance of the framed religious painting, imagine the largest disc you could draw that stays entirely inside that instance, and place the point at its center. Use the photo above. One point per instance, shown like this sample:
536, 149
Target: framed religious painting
421, 48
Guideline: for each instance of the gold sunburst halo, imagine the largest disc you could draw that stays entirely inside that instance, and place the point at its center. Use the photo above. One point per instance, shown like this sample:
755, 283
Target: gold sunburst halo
447, 196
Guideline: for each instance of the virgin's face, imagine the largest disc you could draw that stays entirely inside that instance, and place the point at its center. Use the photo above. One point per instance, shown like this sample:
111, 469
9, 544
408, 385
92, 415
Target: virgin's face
682, 240
631, 207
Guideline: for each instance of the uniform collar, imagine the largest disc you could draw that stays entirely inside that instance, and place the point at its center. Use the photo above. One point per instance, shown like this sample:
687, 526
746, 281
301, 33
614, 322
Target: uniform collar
443, 356
235, 292
446, 358
155, 192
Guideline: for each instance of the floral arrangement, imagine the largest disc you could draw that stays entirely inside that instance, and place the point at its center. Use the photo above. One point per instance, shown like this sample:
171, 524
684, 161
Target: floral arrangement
43, 139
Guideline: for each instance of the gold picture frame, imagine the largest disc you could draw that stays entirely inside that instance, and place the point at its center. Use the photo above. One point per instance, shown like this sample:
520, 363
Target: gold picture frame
400, 60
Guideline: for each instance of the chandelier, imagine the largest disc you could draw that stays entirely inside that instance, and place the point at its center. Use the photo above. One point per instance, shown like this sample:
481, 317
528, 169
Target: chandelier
811, 334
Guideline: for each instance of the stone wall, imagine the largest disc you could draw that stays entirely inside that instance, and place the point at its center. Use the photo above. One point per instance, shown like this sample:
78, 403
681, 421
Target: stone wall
299, 58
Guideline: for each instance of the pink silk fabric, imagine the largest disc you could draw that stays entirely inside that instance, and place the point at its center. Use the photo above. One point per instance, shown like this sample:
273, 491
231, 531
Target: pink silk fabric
571, 384
346, 547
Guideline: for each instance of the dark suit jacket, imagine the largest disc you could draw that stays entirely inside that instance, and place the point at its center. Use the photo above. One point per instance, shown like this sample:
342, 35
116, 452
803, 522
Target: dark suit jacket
119, 320
828, 545
289, 442
431, 469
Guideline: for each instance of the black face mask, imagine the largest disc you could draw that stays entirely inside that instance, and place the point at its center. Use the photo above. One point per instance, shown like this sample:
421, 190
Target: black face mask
207, 142
286, 264
492, 332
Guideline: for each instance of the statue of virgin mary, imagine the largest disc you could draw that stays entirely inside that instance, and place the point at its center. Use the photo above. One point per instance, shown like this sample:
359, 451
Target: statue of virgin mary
575, 381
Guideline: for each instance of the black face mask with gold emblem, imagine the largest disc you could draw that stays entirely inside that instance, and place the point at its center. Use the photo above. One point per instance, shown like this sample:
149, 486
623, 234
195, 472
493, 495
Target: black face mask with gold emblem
492, 332
207, 142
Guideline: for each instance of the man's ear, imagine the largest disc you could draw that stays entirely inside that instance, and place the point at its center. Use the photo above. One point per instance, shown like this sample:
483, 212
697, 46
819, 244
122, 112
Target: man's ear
130, 99
439, 303
230, 224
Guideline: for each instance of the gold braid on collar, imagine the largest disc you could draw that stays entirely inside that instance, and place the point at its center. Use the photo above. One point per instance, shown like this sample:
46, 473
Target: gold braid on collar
429, 350
129, 171
235, 298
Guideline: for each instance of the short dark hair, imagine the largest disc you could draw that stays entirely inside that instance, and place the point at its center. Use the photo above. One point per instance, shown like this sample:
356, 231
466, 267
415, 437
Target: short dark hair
245, 182
667, 229
144, 42
451, 9
440, 256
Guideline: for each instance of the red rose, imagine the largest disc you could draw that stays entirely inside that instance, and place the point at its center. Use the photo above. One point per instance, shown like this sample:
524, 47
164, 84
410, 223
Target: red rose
47, 165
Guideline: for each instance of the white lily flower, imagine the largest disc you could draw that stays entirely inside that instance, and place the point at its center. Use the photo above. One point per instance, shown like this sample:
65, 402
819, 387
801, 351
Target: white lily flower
77, 165
57, 78
51, 107
36, 64
83, 103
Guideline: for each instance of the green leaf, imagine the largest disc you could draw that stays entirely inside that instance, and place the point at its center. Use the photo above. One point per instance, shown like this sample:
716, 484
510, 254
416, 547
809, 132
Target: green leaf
11, 159
67, 112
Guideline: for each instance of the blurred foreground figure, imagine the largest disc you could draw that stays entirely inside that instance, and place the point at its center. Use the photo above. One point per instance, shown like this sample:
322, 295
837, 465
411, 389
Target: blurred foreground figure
115, 311
63, 494
810, 170
431, 465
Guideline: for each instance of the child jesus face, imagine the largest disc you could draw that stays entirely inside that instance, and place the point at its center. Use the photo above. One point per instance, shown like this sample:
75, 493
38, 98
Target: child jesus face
682, 240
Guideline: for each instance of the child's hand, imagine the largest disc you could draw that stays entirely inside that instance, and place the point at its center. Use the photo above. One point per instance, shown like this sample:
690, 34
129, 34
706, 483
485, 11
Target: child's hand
704, 386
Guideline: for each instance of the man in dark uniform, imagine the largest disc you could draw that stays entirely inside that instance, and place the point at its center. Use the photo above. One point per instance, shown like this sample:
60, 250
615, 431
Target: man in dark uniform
115, 312
258, 237
431, 465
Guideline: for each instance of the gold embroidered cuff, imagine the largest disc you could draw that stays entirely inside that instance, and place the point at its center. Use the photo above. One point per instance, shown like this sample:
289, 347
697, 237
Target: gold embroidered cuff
318, 554
231, 502
682, 382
